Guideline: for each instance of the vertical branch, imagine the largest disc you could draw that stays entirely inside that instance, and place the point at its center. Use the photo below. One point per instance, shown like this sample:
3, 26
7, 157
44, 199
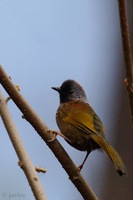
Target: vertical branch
27, 165
127, 50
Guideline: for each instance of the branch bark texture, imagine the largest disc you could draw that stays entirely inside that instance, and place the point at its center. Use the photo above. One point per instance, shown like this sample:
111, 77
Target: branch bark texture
42, 130
127, 50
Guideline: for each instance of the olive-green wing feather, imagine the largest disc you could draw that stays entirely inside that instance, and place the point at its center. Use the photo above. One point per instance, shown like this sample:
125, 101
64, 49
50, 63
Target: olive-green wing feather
84, 118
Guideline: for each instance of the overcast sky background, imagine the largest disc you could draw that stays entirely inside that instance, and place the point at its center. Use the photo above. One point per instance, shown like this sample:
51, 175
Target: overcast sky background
43, 43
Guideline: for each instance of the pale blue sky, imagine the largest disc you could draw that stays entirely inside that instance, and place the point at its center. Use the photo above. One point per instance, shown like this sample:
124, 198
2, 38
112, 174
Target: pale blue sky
43, 43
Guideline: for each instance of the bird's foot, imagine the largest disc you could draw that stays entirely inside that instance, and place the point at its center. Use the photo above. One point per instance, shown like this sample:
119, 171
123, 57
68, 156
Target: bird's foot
82, 164
55, 133
79, 167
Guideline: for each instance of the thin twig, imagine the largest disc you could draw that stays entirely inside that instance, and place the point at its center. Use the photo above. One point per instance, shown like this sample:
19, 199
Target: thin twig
127, 50
28, 167
38, 169
42, 130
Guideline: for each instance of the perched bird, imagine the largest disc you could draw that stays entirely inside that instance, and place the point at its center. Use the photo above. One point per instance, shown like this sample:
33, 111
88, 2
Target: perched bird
80, 126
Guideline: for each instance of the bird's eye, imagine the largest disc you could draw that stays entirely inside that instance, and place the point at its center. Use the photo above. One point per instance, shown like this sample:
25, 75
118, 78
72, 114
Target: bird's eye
71, 92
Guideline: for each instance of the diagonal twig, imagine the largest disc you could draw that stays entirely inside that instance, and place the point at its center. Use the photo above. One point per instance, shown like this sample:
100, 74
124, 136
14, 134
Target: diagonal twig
42, 130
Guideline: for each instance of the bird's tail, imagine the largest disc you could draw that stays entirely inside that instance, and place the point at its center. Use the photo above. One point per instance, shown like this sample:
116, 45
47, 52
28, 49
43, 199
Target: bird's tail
112, 153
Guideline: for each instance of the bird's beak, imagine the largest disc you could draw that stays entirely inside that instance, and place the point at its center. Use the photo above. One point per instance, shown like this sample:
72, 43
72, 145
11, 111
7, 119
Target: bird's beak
56, 88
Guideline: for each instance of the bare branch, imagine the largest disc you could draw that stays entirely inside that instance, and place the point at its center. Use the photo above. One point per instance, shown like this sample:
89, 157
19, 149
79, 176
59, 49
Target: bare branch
42, 130
28, 167
127, 50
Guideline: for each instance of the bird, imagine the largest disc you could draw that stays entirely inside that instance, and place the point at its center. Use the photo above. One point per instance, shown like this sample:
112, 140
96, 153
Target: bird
80, 126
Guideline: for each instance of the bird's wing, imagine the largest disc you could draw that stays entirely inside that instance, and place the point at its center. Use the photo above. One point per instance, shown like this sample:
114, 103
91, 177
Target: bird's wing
83, 117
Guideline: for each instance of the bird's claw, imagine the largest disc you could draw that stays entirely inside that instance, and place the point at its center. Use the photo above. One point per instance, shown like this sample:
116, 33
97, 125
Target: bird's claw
53, 136
79, 168
55, 133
